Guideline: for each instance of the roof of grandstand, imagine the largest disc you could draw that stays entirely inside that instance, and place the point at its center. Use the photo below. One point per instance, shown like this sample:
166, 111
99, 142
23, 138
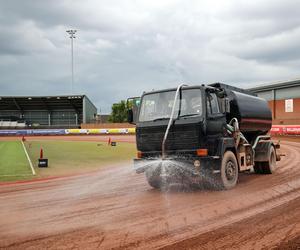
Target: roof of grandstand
41, 102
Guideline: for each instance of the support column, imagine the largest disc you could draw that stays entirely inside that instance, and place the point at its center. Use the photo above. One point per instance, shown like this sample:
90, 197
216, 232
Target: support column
49, 119
274, 103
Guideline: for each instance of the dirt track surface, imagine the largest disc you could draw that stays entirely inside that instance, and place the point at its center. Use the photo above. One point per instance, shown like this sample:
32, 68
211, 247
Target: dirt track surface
115, 208
118, 138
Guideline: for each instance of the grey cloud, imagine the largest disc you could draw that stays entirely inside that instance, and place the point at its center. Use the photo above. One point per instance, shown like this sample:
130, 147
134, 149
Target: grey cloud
125, 47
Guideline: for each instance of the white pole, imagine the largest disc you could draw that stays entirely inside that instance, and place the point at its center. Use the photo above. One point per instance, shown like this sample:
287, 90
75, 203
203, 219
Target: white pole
72, 36
72, 62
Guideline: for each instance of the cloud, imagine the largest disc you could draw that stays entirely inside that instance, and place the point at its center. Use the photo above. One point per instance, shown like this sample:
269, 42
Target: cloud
126, 47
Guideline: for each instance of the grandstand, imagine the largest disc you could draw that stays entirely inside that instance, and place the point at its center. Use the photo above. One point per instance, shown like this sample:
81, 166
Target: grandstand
46, 111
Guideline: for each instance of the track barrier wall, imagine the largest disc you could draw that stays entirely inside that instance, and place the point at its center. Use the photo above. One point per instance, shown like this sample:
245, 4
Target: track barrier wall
276, 130
29, 132
33, 132
285, 130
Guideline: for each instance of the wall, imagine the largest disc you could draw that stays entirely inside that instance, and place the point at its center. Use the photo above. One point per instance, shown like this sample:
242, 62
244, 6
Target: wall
89, 111
107, 125
276, 96
281, 117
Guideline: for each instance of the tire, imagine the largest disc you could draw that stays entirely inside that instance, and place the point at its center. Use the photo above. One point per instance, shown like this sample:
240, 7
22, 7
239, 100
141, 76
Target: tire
269, 167
153, 177
176, 182
229, 171
257, 168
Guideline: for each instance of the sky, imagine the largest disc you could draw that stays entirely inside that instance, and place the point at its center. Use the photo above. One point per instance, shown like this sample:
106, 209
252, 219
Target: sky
125, 47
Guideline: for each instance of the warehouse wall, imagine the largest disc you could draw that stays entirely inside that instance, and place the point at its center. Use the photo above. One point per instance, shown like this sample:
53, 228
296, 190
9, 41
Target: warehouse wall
280, 116
276, 98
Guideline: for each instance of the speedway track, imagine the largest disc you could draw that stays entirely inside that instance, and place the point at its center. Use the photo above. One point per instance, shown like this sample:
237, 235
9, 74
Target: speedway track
115, 208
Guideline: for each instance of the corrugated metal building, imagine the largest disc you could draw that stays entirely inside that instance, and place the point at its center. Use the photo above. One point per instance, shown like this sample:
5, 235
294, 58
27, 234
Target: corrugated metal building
46, 111
283, 99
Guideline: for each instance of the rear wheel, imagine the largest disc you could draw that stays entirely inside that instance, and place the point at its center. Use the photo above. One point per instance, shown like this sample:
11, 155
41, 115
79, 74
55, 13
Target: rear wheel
257, 168
229, 171
269, 166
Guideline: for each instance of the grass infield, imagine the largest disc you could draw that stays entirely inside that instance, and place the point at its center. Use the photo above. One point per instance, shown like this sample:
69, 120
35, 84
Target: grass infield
65, 157
13, 162
72, 157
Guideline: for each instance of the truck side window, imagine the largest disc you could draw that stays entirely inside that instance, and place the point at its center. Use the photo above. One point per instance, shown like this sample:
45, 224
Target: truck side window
212, 104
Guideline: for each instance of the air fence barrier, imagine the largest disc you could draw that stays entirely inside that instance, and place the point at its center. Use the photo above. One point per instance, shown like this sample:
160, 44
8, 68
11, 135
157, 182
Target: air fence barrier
276, 130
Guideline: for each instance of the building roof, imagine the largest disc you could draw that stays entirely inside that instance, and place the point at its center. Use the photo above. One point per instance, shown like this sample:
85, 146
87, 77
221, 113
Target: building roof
69, 102
276, 85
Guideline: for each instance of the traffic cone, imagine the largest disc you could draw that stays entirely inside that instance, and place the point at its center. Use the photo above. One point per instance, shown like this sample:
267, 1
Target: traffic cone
43, 162
41, 154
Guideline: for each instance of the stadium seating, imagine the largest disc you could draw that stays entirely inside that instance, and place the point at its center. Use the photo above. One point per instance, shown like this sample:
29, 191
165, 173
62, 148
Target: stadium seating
12, 124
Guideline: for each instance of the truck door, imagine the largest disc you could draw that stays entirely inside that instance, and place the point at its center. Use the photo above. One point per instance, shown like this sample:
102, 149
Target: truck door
215, 121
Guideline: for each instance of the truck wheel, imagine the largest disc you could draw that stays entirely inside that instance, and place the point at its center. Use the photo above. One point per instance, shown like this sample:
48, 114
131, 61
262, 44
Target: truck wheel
257, 168
229, 171
153, 177
268, 167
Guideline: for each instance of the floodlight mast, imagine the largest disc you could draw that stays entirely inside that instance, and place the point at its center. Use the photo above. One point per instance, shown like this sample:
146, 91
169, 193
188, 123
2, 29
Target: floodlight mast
72, 36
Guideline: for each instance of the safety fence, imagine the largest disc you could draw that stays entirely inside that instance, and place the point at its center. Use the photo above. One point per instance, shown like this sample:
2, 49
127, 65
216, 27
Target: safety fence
285, 130
29, 132
276, 130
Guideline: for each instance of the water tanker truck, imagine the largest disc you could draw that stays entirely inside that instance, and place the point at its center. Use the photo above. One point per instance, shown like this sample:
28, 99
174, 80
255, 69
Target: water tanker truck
202, 135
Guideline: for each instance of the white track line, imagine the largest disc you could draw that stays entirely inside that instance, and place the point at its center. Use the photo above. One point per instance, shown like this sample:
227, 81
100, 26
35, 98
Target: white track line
28, 158
14, 175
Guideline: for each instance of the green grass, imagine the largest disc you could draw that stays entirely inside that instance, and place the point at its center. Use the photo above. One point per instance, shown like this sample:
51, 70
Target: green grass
67, 157
13, 162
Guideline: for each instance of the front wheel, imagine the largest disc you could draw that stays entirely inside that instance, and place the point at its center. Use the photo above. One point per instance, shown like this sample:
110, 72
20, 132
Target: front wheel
229, 171
153, 177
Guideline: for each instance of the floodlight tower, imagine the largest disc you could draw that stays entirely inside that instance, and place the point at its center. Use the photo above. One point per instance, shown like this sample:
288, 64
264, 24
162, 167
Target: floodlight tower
72, 36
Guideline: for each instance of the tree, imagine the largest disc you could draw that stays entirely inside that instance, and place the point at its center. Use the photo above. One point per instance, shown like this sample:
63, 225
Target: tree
118, 112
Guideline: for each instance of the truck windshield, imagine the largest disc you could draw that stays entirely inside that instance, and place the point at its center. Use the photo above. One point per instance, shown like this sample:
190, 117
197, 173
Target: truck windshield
158, 106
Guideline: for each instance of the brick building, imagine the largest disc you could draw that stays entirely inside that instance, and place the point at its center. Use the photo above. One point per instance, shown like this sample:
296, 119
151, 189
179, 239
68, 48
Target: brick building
284, 101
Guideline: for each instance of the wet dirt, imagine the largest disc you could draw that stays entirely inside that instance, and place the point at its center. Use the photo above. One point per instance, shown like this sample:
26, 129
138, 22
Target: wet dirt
116, 208
101, 138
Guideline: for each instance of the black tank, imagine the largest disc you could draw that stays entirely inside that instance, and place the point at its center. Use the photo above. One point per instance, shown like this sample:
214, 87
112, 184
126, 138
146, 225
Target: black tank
252, 112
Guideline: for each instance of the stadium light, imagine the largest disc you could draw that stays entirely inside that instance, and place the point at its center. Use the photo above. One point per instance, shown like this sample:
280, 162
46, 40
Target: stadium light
72, 36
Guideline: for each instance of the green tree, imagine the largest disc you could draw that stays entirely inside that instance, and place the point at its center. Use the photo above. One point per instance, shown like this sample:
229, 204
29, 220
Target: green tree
118, 112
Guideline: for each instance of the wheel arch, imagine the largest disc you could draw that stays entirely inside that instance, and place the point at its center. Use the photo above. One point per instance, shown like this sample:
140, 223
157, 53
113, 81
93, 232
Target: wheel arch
227, 144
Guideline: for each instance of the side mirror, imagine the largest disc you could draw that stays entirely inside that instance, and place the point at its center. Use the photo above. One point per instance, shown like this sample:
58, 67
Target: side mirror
132, 109
226, 105
130, 116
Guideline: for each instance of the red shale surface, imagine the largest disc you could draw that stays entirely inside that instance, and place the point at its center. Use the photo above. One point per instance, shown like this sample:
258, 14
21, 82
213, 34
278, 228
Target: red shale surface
115, 208
118, 138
